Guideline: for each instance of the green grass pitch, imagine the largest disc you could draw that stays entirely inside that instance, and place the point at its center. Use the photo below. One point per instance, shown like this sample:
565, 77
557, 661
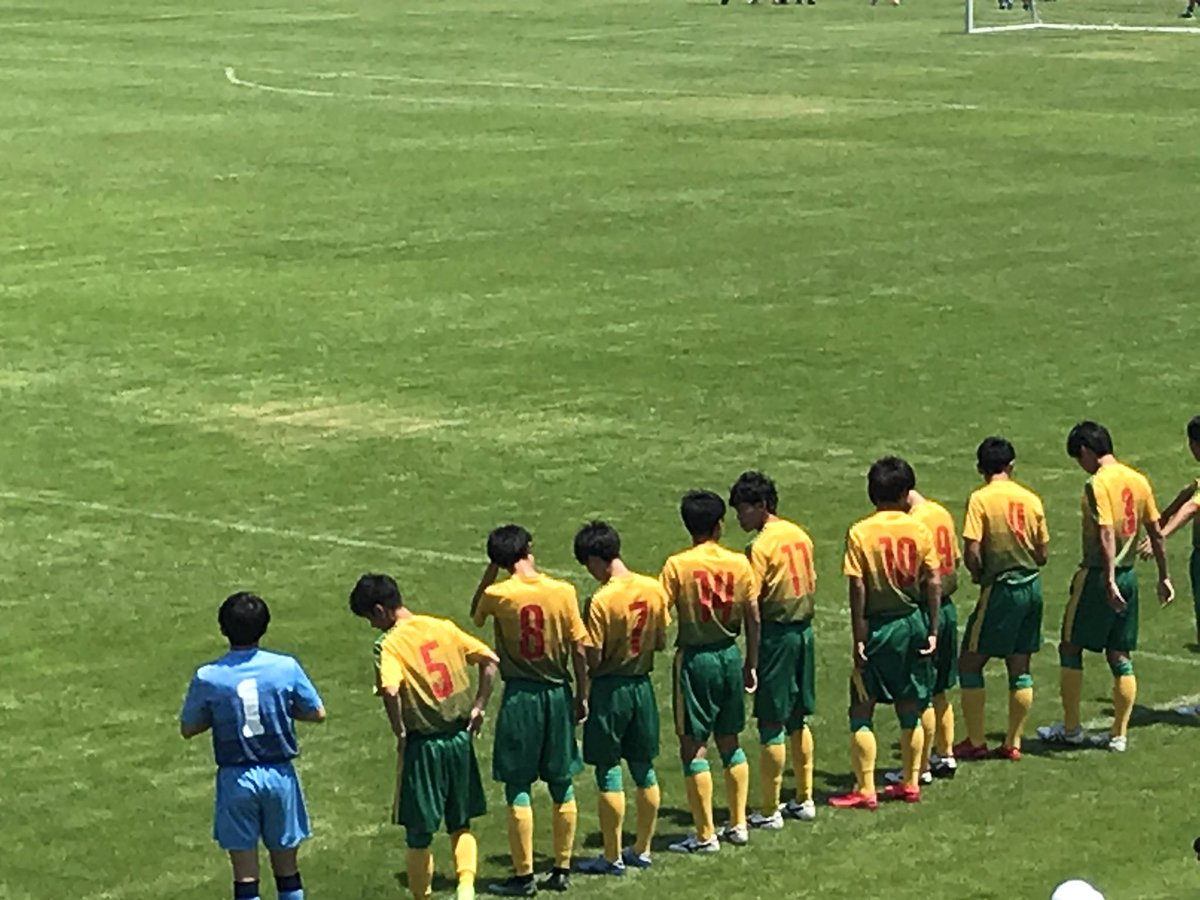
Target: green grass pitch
295, 291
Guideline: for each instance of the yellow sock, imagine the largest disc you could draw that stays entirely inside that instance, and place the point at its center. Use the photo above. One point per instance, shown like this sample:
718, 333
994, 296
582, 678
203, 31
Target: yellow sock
928, 723
771, 765
520, 838
466, 856
420, 872
700, 791
1124, 693
862, 758
912, 743
943, 712
737, 792
973, 702
648, 801
565, 817
802, 763
1071, 681
612, 815
1020, 702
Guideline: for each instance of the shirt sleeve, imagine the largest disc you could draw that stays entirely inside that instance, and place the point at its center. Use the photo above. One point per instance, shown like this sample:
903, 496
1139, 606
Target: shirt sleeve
470, 644
578, 632
595, 624
304, 696
391, 669
758, 562
854, 562
973, 521
195, 710
927, 547
665, 603
1196, 496
1041, 531
486, 607
669, 584
1102, 504
751, 583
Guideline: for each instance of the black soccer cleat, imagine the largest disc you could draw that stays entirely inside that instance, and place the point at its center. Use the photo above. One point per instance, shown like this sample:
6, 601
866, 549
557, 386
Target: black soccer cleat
515, 886
558, 880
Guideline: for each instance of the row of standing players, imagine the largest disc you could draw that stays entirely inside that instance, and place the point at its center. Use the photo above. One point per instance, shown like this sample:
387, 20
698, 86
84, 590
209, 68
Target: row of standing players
901, 563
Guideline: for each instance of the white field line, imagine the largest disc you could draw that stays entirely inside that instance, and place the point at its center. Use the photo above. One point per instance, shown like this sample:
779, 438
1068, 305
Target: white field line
285, 16
605, 35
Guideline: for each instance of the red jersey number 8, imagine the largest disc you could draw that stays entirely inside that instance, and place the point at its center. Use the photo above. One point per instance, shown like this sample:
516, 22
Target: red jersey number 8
533, 633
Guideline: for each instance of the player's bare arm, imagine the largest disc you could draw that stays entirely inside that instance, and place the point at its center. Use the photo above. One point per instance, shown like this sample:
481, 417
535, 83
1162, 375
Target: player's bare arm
753, 640
858, 621
933, 598
490, 574
191, 731
1158, 547
660, 640
1108, 547
973, 559
316, 716
391, 703
579, 662
1040, 553
1173, 518
488, 664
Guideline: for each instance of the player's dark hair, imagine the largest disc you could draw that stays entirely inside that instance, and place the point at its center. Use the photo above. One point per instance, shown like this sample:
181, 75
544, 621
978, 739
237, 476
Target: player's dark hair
507, 544
598, 539
701, 512
889, 480
1193, 430
995, 455
754, 488
243, 618
1090, 435
375, 590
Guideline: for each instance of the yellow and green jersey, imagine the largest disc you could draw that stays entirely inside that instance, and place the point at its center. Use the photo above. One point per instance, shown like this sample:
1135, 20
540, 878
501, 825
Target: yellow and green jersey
537, 624
1196, 519
1121, 498
940, 522
623, 620
709, 588
1008, 521
781, 556
425, 659
889, 551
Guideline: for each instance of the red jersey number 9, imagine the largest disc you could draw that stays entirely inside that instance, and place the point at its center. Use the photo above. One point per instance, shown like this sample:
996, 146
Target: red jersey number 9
945, 550
1129, 522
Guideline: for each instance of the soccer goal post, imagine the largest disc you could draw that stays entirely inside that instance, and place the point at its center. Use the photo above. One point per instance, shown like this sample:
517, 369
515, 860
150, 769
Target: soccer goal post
1162, 16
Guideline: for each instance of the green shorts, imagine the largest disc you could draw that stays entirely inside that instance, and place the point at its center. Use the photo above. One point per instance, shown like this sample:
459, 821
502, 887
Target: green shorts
1089, 622
895, 670
945, 660
1194, 569
535, 734
440, 783
710, 696
622, 721
1007, 620
786, 674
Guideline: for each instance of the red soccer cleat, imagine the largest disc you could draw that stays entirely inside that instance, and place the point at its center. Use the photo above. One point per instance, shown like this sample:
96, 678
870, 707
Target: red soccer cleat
965, 751
855, 800
1012, 754
903, 792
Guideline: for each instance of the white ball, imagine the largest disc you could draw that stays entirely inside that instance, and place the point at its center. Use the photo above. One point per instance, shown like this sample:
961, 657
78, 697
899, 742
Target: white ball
1076, 890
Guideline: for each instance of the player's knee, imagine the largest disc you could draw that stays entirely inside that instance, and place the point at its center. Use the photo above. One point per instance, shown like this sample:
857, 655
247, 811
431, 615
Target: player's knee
518, 794
860, 724
733, 757
561, 792
1120, 665
1020, 682
418, 840
971, 680
608, 779
643, 774
770, 734
697, 766
909, 717
1070, 656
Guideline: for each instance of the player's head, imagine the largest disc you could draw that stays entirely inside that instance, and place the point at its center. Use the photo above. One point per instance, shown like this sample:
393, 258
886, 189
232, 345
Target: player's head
243, 618
508, 545
995, 456
703, 513
889, 481
754, 498
377, 599
1087, 442
597, 544
1193, 433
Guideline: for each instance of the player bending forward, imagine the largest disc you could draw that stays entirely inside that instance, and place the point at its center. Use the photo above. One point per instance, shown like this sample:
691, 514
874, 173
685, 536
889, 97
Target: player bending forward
890, 562
423, 674
1102, 614
1007, 543
713, 591
249, 698
781, 555
626, 621
540, 639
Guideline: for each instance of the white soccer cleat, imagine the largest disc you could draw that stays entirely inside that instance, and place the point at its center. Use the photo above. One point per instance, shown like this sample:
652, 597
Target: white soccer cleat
804, 812
1111, 742
1187, 711
895, 776
738, 835
773, 822
1058, 734
693, 844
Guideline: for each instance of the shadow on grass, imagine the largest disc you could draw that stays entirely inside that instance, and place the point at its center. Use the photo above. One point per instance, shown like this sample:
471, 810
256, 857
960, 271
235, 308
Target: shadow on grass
440, 882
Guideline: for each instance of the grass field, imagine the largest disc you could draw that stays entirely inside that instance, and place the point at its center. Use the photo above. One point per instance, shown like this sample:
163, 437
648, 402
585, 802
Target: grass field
295, 291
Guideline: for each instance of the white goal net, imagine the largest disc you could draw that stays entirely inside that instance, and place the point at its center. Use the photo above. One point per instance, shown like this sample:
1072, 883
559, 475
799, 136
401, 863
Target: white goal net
992, 16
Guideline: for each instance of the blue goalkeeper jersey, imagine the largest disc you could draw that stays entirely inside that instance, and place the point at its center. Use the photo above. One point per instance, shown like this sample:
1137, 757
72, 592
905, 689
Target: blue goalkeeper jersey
249, 698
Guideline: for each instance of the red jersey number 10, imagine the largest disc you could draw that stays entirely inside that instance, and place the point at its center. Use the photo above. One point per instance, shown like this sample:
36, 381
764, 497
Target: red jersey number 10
900, 560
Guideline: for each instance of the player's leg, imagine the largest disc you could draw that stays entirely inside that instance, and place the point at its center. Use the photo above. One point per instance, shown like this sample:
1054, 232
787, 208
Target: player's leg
418, 862
800, 736
560, 763
1079, 622
971, 662
1194, 568
773, 700
908, 678
640, 746
1122, 641
727, 728
419, 809
520, 726
284, 828
695, 713
236, 826
862, 749
602, 750
462, 789
947, 679
245, 874
1026, 639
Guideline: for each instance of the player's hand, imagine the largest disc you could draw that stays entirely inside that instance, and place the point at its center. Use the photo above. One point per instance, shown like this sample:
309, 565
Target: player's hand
1166, 591
475, 722
750, 678
400, 745
858, 656
1145, 551
1112, 594
930, 646
581, 710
